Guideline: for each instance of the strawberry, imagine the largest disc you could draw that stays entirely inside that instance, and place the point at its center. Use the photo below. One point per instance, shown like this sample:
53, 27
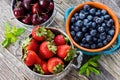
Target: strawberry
30, 58
65, 52
41, 68
31, 44
59, 40
39, 33
55, 65
47, 49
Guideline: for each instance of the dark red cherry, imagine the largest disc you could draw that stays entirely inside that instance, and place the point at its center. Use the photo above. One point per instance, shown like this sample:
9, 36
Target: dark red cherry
26, 4
44, 3
45, 17
19, 4
36, 9
51, 6
27, 19
35, 19
18, 12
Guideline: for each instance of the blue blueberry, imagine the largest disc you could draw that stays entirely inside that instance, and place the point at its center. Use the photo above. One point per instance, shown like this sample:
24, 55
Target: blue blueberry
72, 33
93, 46
85, 21
95, 39
99, 40
76, 18
81, 44
98, 13
98, 20
94, 18
107, 29
76, 39
110, 23
99, 45
103, 36
103, 12
82, 11
103, 25
76, 29
79, 23
86, 7
109, 38
89, 24
107, 16
86, 34
81, 16
89, 17
93, 32
111, 32
92, 11
88, 38
105, 42
76, 14
93, 25
73, 19
102, 17
72, 27
101, 29
83, 40
84, 29
79, 34
86, 45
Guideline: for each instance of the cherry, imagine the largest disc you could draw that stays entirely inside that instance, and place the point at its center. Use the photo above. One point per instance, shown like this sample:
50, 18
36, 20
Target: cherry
18, 12
44, 3
19, 4
45, 17
27, 4
35, 19
51, 6
27, 19
36, 9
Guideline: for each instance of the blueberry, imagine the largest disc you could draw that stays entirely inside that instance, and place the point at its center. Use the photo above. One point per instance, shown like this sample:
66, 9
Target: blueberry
101, 29
89, 24
89, 17
102, 17
98, 13
92, 11
88, 38
93, 46
86, 34
109, 38
86, 7
103, 25
84, 29
76, 29
103, 12
76, 18
79, 34
105, 42
76, 14
110, 23
72, 19
86, 13
72, 33
102, 36
81, 16
83, 40
81, 44
93, 32
86, 46
99, 40
111, 32
72, 27
107, 29
94, 18
107, 16
99, 45
82, 11
85, 21
79, 23
95, 39
98, 20
93, 25
76, 39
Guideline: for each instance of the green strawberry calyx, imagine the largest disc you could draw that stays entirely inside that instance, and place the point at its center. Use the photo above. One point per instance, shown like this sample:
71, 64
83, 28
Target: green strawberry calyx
26, 42
70, 54
41, 32
52, 47
37, 68
58, 68
50, 35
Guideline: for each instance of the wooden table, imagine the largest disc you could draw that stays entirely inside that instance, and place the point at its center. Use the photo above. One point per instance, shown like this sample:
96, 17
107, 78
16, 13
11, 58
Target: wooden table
11, 67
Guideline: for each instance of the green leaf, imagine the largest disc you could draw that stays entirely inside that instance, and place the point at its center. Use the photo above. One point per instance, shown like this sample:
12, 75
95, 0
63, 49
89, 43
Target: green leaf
20, 31
94, 64
11, 37
7, 27
94, 70
50, 35
5, 43
87, 72
95, 58
83, 68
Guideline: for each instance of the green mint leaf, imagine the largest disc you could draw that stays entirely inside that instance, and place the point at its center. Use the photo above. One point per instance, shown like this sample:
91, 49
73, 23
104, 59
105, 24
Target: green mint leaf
7, 27
94, 64
87, 72
14, 30
83, 68
94, 70
20, 31
5, 43
95, 58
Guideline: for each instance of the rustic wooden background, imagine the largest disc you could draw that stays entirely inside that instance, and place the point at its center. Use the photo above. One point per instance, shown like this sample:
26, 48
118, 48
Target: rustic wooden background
11, 67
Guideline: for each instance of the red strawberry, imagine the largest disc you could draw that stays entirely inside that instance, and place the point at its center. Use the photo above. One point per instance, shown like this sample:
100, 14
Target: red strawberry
47, 49
55, 65
59, 40
31, 44
41, 68
65, 52
30, 58
39, 33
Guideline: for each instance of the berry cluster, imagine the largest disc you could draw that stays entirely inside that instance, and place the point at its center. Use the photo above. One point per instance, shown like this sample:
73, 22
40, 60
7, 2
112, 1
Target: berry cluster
91, 27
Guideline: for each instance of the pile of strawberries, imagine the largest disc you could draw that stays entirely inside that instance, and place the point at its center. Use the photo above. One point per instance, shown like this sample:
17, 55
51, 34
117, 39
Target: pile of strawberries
47, 52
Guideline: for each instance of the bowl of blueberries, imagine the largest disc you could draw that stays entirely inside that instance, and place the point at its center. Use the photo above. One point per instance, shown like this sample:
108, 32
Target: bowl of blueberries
92, 27
33, 12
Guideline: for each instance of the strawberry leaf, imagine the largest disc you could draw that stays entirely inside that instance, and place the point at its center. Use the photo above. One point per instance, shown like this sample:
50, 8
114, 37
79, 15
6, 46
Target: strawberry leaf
41, 32
37, 68
50, 35
26, 42
52, 47
58, 68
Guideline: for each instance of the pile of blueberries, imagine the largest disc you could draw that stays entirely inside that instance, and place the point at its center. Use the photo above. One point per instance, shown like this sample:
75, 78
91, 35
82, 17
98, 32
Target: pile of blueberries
92, 27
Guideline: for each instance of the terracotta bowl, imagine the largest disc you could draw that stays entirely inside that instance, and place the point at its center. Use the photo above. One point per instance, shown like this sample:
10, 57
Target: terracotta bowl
100, 6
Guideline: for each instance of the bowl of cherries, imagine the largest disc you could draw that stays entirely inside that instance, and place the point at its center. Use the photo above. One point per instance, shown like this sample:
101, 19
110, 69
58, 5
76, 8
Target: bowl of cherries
33, 12
92, 27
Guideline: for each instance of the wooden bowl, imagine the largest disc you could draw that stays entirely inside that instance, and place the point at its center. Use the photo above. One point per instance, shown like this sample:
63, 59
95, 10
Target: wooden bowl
100, 6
